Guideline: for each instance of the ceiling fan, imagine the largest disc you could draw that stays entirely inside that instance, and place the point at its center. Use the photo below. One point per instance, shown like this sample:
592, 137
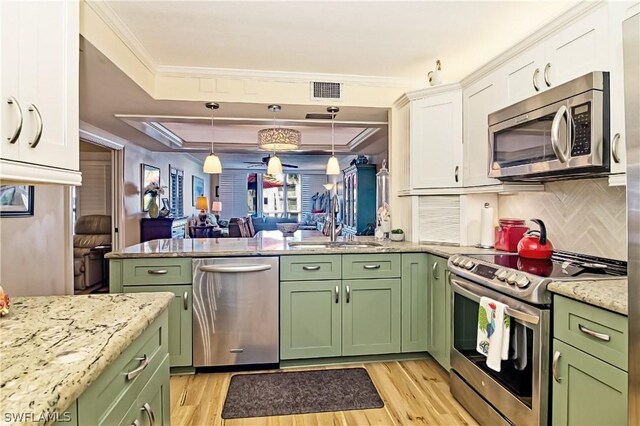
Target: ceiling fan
265, 161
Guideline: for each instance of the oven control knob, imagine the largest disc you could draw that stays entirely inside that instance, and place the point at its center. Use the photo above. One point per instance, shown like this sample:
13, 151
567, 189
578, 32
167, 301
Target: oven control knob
501, 274
512, 277
461, 262
455, 260
522, 281
469, 265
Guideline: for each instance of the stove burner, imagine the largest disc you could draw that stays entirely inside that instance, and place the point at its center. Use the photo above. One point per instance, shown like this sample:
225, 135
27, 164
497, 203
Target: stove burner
527, 279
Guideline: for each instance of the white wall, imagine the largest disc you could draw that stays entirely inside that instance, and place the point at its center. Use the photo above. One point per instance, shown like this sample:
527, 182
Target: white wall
32, 249
134, 156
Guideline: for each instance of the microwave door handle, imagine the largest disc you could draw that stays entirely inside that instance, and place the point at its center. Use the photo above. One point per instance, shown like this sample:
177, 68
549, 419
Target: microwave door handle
522, 316
555, 132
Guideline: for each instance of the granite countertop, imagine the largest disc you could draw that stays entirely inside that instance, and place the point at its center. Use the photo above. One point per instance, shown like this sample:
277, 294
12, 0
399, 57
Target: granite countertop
272, 243
53, 347
606, 294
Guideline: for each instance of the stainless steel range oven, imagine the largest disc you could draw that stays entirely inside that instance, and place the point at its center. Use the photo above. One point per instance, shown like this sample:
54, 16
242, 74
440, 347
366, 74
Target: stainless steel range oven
519, 393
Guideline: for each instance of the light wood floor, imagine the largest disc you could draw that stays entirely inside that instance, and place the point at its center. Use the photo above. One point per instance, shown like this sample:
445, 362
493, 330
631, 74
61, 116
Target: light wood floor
414, 393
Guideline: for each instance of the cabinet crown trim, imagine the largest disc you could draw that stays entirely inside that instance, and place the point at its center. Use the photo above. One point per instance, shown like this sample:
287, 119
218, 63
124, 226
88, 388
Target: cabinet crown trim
564, 19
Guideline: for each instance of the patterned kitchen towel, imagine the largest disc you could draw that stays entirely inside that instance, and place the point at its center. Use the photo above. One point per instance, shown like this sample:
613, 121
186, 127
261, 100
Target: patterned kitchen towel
493, 332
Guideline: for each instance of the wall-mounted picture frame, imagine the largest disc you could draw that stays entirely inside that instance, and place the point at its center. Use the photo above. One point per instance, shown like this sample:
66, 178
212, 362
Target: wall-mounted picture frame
197, 188
217, 191
16, 200
149, 175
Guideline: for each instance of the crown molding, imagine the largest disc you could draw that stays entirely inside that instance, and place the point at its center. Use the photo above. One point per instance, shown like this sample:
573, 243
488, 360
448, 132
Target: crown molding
96, 135
544, 31
285, 76
122, 31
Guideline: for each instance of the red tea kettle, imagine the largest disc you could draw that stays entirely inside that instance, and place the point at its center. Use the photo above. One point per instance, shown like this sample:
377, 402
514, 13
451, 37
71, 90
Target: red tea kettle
534, 244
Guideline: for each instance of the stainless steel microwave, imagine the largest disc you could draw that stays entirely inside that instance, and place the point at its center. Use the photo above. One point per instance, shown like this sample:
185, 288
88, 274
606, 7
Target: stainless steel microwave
560, 133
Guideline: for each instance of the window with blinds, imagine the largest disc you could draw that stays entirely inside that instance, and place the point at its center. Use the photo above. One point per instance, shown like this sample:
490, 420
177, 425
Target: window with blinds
176, 191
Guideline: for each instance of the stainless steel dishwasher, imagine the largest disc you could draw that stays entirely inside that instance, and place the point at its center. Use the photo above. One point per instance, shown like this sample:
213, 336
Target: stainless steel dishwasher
235, 311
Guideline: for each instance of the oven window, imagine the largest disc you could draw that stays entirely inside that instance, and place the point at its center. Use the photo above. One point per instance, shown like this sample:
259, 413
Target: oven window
517, 372
527, 143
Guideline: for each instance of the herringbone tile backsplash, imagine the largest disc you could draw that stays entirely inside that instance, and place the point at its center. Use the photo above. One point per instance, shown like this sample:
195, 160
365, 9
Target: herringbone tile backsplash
584, 216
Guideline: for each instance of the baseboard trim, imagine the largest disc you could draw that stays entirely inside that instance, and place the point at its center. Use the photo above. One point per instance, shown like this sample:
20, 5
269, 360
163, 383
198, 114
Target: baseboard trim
321, 362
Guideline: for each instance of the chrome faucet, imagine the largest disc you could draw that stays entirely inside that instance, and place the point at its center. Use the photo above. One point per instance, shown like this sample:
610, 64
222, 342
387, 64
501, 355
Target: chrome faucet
335, 230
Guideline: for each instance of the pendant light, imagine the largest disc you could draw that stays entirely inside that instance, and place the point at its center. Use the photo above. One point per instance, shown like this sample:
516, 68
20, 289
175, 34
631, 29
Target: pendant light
212, 163
274, 167
333, 166
278, 138
272, 138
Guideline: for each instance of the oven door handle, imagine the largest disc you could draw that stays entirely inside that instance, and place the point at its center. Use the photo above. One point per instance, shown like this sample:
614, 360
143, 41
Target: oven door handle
459, 288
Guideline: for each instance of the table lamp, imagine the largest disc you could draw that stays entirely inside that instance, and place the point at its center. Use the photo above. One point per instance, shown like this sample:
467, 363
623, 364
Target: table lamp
202, 203
216, 208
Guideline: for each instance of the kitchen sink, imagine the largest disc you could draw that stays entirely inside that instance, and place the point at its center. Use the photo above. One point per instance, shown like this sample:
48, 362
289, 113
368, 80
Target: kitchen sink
335, 244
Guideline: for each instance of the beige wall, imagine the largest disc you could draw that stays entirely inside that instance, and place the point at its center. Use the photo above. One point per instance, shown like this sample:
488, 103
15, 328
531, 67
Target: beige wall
32, 249
134, 156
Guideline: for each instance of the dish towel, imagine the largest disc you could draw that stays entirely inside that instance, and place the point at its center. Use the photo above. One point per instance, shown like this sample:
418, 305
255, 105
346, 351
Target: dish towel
493, 332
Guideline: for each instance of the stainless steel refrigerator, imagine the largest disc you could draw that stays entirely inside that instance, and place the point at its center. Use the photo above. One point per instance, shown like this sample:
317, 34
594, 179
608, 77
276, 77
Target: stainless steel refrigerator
631, 49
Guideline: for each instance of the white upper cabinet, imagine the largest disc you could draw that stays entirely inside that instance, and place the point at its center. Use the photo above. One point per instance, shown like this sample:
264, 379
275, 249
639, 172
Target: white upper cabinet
39, 91
479, 100
523, 76
617, 14
575, 50
436, 137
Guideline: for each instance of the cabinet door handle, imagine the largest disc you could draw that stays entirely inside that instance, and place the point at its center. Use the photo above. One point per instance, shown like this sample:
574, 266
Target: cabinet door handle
456, 173
371, 266
348, 290
614, 148
546, 74
157, 271
556, 359
16, 133
144, 362
36, 139
311, 268
337, 291
435, 271
601, 336
185, 300
147, 409
535, 79
136, 422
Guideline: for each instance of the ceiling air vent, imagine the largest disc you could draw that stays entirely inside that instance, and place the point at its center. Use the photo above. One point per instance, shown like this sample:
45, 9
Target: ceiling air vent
318, 116
326, 90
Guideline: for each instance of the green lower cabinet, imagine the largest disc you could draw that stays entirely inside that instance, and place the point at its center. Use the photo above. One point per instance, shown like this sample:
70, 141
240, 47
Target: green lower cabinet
371, 316
310, 319
152, 407
439, 340
415, 306
589, 391
180, 320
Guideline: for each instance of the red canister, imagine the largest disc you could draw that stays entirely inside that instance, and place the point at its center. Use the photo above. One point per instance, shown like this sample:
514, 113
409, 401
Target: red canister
508, 233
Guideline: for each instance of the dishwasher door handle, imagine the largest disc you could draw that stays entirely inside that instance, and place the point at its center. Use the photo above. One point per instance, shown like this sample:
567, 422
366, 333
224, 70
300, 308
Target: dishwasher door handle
229, 269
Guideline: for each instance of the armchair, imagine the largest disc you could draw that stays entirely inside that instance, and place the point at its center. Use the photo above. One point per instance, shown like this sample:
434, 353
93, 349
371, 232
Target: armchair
90, 231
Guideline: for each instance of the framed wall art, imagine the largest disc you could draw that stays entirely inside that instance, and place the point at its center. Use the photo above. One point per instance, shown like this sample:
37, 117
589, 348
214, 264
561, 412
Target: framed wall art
16, 200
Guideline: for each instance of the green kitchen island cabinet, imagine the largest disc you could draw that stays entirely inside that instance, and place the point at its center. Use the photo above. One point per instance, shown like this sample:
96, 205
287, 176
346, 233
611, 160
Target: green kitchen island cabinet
415, 302
589, 365
439, 340
310, 319
180, 320
371, 317
149, 275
